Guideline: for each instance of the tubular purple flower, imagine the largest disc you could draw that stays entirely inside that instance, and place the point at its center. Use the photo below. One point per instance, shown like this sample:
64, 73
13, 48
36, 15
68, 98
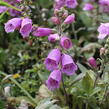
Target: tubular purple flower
66, 43
13, 24
54, 80
70, 19
68, 65
26, 27
53, 37
92, 62
52, 60
88, 7
71, 3
42, 32
103, 30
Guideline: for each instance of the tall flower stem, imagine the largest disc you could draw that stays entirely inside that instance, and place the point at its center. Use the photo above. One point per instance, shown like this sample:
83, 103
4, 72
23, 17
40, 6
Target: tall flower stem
65, 92
75, 34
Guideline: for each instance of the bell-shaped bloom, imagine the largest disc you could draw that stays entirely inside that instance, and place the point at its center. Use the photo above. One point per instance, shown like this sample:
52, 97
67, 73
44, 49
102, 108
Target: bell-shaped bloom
68, 65
3, 9
26, 27
103, 30
88, 7
55, 20
54, 80
13, 24
71, 3
66, 43
42, 32
92, 62
70, 19
59, 4
53, 37
52, 60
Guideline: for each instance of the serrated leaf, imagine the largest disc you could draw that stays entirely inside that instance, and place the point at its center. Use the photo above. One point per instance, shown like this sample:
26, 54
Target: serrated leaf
87, 82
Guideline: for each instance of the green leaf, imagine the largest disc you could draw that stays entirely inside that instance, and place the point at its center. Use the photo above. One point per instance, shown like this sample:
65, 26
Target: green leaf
87, 82
45, 3
55, 107
85, 19
46, 103
95, 91
82, 68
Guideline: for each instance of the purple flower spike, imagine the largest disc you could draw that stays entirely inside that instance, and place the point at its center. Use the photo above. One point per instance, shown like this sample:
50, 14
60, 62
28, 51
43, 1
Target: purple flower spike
54, 80
103, 30
26, 27
88, 7
13, 24
42, 32
66, 43
71, 3
52, 60
70, 19
68, 65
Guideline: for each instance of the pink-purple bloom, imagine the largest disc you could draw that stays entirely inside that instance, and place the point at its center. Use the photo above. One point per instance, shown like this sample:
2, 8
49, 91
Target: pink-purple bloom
65, 42
26, 27
68, 65
42, 32
70, 19
54, 80
88, 7
103, 30
52, 60
92, 62
13, 24
53, 37
71, 3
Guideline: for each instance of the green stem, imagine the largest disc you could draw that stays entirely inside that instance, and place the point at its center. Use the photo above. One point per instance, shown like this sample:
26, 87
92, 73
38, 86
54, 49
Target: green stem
8, 5
75, 35
66, 95
28, 95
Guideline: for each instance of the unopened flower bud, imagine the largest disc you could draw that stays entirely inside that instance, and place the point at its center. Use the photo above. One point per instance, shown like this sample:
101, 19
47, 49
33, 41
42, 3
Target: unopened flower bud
55, 20
92, 62
53, 37
70, 19
102, 51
